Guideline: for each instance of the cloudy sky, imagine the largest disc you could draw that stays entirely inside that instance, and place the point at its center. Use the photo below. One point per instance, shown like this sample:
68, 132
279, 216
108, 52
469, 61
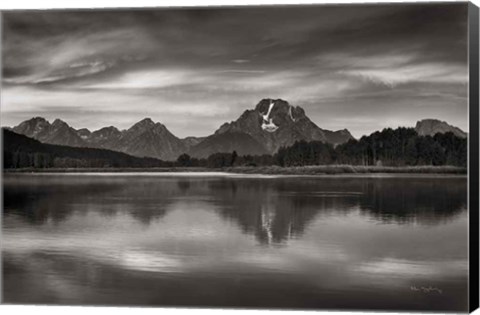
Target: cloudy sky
360, 67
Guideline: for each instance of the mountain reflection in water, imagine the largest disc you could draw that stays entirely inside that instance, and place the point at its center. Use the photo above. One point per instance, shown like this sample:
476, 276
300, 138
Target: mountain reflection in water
325, 242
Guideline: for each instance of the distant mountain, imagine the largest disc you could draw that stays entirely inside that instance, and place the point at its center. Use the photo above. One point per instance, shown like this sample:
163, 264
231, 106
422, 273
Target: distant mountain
143, 139
58, 132
84, 133
191, 141
147, 138
105, 137
241, 142
271, 125
21, 151
263, 130
430, 127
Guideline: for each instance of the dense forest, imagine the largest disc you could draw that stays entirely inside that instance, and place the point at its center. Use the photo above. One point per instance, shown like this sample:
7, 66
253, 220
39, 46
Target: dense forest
389, 147
20, 152
403, 146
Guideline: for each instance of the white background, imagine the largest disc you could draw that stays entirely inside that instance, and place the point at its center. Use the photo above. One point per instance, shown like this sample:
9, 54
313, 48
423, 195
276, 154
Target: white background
68, 310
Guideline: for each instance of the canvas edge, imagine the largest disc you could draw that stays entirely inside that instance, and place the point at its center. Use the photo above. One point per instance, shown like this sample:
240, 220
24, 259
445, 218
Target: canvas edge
473, 27
474, 119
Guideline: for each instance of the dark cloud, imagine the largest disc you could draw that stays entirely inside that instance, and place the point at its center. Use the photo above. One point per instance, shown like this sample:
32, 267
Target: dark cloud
340, 62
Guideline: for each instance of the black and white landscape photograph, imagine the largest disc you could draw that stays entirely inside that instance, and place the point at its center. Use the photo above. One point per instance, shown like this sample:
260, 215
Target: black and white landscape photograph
265, 157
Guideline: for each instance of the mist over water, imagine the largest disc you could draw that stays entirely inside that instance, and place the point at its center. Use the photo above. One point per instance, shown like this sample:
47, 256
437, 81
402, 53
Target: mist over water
236, 241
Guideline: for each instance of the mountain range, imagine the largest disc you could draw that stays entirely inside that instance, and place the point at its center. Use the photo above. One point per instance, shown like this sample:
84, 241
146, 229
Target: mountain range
272, 124
21, 151
143, 139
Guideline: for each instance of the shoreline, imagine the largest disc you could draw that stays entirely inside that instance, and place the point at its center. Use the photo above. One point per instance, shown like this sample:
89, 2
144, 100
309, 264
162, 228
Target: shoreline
266, 170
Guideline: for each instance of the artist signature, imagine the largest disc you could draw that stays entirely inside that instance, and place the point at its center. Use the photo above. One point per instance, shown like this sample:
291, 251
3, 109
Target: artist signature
428, 289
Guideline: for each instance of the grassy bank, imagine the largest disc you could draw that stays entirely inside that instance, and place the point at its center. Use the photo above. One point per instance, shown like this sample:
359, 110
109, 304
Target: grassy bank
271, 170
110, 170
348, 169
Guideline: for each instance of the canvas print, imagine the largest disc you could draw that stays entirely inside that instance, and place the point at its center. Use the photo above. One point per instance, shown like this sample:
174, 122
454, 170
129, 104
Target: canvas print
281, 157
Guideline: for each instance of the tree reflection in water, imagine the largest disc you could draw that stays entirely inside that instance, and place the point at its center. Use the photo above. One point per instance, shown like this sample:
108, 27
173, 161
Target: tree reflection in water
272, 209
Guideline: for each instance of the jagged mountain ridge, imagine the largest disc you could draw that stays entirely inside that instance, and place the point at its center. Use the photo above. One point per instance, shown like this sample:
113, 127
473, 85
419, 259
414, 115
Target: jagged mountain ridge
147, 138
269, 126
59, 132
261, 130
143, 139
430, 127
272, 124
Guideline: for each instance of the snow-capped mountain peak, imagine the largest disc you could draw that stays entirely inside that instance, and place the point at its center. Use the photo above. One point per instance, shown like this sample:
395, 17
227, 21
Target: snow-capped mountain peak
272, 124
290, 113
267, 123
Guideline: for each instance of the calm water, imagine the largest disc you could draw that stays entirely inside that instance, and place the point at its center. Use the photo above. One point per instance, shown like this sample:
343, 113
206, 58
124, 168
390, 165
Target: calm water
237, 241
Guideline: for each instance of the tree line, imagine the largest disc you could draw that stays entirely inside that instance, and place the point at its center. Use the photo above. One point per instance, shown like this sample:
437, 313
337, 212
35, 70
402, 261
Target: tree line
389, 147
403, 146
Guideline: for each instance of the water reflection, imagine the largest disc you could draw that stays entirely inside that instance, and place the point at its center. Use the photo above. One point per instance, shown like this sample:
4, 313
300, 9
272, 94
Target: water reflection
328, 242
274, 210
422, 201
40, 199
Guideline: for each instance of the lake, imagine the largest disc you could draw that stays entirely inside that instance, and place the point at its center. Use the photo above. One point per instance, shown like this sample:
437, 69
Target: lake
225, 240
